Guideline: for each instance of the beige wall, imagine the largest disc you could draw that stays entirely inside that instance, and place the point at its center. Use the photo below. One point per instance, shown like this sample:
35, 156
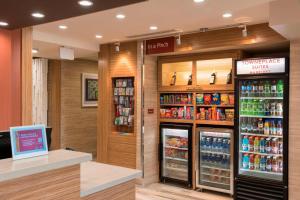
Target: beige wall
294, 122
78, 124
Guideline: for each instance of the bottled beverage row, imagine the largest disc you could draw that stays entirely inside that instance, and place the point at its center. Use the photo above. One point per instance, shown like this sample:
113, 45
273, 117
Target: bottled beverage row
176, 99
261, 126
261, 107
215, 160
262, 163
215, 144
266, 88
262, 145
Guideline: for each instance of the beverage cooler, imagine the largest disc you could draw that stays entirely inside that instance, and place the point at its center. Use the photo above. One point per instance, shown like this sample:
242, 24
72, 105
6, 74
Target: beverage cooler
214, 169
261, 129
176, 154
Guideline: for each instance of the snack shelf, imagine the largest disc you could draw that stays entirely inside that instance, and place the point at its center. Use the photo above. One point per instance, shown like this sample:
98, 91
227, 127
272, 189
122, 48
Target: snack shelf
262, 135
177, 120
176, 105
218, 106
215, 122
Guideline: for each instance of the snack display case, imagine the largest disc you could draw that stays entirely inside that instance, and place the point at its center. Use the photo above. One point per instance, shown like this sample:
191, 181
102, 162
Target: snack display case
176, 154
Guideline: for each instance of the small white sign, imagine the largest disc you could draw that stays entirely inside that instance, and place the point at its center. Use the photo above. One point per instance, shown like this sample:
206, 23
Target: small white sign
261, 66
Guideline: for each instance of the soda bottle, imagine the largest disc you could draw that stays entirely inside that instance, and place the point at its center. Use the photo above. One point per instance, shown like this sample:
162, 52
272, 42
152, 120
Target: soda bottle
256, 144
262, 145
261, 89
267, 89
251, 162
268, 147
245, 161
243, 106
267, 127
273, 89
280, 88
273, 109
272, 124
267, 108
251, 144
261, 107
275, 167
243, 89
280, 165
269, 164
279, 109
280, 147
245, 143
250, 107
250, 125
262, 165
260, 125
243, 125
254, 126
255, 89
255, 107
257, 162
275, 145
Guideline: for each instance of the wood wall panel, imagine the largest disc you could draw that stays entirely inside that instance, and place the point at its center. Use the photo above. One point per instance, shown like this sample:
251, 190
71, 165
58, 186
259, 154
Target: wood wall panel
62, 183
27, 76
54, 99
115, 64
78, 124
294, 126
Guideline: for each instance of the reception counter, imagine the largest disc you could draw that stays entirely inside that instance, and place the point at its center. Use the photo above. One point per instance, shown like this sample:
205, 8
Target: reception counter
64, 175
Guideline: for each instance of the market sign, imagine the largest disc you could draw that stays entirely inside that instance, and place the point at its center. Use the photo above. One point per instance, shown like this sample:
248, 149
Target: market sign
261, 66
160, 45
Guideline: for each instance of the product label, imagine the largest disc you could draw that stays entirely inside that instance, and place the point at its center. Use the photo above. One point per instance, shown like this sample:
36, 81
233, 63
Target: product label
261, 66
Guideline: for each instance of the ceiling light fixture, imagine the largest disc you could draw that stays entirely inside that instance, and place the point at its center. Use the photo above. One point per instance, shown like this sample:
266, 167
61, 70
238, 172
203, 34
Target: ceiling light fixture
153, 28
99, 36
117, 46
34, 51
38, 15
178, 40
62, 27
245, 31
199, 1
227, 15
120, 16
85, 3
2, 23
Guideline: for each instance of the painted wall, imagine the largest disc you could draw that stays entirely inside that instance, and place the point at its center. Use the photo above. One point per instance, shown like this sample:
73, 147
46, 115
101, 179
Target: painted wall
10, 78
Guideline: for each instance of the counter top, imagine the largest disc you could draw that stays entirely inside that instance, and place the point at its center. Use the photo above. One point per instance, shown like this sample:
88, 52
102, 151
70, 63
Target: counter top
10, 169
95, 177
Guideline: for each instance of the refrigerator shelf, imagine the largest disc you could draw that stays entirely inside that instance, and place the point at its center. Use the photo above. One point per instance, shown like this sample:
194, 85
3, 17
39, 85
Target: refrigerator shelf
213, 182
177, 169
177, 159
262, 154
207, 174
218, 168
215, 152
178, 148
262, 172
260, 116
263, 98
215, 134
262, 135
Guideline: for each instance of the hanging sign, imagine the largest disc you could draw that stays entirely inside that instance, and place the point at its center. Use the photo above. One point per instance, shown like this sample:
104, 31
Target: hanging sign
160, 45
261, 66
28, 141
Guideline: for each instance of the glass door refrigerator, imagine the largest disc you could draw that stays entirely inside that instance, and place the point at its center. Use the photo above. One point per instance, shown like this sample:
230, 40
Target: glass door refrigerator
215, 161
176, 154
261, 148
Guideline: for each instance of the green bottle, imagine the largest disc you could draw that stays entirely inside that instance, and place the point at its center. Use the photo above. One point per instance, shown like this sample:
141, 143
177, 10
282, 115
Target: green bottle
280, 88
267, 89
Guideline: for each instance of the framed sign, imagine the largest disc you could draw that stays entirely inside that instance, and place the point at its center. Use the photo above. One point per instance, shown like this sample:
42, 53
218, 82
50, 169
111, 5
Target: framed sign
261, 66
28, 141
160, 45
89, 90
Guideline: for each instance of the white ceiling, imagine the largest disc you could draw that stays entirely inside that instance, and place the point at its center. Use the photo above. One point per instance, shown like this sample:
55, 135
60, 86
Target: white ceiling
166, 14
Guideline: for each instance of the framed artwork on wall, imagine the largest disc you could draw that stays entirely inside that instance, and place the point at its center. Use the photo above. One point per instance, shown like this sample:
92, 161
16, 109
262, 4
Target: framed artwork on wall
89, 90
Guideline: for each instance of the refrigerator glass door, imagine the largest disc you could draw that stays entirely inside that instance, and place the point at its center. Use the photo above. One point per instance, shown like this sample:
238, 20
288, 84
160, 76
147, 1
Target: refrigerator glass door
215, 159
261, 131
175, 153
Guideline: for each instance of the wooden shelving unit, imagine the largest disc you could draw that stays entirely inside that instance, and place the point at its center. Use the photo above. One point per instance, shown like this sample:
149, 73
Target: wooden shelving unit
214, 122
188, 121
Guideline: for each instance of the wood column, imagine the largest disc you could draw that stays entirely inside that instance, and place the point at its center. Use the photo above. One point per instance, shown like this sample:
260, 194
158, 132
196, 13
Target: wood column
26, 76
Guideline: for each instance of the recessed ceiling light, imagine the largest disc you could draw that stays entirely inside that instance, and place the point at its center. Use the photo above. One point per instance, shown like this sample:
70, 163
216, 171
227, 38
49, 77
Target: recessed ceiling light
99, 36
227, 15
2, 23
199, 1
120, 16
85, 3
153, 28
62, 27
37, 15
34, 50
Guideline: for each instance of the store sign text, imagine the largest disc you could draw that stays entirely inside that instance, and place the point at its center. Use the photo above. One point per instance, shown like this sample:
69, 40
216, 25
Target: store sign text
161, 45
261, 66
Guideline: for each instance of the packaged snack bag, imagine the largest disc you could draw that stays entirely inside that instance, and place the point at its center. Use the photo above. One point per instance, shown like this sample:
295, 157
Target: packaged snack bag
173, 113
200, 99
168, 113
202, 113
216, 99
224, 99
231, 99
207, 99
180, 113
188, 113
229, 114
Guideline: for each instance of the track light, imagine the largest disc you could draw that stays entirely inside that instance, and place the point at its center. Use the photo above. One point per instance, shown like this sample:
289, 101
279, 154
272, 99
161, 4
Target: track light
117, 46
245, 31
178, 40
